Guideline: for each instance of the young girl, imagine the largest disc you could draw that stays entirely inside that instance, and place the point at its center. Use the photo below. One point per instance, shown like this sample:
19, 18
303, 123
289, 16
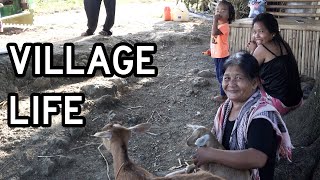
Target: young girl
219, 46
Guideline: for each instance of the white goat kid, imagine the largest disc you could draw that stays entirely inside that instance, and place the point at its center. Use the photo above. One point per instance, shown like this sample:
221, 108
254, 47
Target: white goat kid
116, 137
201, 136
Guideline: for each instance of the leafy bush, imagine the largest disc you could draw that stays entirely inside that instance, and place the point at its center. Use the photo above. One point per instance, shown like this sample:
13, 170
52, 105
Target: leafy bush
241, 6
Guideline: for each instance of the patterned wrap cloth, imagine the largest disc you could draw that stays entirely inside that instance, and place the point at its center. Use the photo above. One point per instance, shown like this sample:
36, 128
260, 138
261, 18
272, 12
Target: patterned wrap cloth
257, 106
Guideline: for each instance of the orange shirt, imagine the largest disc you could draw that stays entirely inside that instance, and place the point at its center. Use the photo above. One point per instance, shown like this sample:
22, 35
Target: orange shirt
219, 44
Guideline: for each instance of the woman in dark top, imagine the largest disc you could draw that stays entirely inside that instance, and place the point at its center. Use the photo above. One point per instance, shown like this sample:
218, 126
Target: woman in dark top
251, 130
278, 67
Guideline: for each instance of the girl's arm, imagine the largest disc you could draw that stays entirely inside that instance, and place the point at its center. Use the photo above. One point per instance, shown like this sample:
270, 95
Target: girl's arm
215, 30
207, 52
240, 159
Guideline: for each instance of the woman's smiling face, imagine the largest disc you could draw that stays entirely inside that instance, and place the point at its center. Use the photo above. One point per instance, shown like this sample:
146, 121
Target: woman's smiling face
261, 34
237, 86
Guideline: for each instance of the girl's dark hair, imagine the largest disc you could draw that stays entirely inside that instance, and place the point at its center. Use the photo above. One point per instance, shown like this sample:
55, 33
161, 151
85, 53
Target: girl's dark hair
271, 23
232, 12
247, 63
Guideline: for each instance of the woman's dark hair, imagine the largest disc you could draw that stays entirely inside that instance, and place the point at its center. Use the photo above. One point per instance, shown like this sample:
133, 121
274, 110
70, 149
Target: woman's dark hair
232, 12
271, 23
247, 63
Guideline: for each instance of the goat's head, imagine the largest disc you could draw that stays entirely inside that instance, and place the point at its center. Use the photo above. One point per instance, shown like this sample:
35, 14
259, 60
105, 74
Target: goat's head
116, 133
200, 135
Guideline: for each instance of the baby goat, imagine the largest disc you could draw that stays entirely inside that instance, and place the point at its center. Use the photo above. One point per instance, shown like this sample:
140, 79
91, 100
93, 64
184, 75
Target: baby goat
200, 133
115, 139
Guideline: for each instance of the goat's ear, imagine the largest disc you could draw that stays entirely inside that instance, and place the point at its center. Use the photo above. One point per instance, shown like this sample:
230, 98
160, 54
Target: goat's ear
103, 134
140, 128
194, 127
202, 141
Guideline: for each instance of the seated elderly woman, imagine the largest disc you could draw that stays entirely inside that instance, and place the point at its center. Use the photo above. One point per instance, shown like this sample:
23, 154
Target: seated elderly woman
251, 130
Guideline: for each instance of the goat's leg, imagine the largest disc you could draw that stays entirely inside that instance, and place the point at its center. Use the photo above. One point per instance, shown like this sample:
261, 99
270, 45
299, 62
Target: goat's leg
191, 168
181, 171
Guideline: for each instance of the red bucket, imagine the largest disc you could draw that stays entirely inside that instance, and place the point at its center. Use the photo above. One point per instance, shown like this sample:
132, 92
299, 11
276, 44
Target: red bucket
167, 13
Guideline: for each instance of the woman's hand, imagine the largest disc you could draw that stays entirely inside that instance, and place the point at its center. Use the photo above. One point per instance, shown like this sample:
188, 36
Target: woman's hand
252, 45
202, 156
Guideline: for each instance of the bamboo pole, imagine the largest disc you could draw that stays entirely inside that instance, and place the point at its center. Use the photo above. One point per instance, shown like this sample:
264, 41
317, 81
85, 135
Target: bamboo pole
303, 51
313, 53
306, 52
231, 41
241, 37
298, 57
296, 38
294, 48
242, 31
245, 39
241, 40
288, 33
295, 14
290, 40
317, 55
248, 35
236, 40
309, 47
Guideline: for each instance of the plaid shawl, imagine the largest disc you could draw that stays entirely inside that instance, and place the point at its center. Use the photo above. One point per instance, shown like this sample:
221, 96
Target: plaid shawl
256, 106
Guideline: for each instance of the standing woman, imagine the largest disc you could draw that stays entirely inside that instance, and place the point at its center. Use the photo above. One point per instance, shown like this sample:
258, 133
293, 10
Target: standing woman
278, 67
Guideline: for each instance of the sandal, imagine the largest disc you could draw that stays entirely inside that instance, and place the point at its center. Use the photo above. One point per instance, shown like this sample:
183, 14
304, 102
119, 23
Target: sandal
87, 33
105, 33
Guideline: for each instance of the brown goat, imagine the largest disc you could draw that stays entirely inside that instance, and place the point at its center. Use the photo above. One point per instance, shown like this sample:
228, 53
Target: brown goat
115, 139
215, 168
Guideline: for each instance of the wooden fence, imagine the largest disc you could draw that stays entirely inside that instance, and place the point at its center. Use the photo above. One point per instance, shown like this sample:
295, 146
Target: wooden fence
303, 38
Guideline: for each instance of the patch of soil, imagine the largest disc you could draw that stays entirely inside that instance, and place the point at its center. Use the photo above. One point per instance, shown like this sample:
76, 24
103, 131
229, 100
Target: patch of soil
179, 95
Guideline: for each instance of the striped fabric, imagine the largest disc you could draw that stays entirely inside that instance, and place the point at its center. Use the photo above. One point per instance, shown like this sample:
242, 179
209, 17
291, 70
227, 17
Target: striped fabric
256, 107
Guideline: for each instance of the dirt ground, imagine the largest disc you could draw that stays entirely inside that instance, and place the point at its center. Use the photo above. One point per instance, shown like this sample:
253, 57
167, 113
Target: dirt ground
179, 95
176, 97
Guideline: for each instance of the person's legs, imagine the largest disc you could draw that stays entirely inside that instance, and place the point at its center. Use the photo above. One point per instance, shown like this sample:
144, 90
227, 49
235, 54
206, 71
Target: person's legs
110, 6
92, 8
219, 70
218, 62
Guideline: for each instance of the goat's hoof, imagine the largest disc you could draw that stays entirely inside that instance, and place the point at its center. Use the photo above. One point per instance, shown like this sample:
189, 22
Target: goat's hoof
190, 168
